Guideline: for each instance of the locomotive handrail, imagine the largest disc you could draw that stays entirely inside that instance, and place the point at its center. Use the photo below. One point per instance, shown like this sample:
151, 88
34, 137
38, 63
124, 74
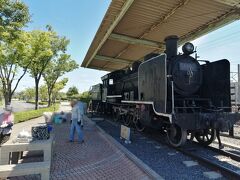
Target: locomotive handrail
172, 97
206, 61
150, 103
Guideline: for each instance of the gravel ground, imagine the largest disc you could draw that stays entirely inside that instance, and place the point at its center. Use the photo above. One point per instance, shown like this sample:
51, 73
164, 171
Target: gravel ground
237, 130
165, 161
215, 157
227, 148
230, 140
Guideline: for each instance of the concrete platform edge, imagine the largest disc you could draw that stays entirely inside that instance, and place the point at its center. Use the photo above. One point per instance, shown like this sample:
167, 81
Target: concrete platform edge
130, 155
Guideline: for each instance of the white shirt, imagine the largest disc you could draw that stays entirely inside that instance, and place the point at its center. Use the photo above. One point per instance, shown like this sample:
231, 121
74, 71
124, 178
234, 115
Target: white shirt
81, 107
76, 113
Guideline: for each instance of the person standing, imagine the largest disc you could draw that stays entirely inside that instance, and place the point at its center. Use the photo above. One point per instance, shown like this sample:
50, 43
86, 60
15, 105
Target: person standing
81, 106
76, 122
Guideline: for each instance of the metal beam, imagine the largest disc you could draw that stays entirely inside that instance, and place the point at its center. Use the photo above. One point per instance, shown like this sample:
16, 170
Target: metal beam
229, 2
124, 9
165, 17
162, 20
135, 41
101, 68
115, 60
217, 23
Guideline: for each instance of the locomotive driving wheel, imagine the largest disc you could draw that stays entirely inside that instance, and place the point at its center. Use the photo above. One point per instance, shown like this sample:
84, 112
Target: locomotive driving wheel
206, 137
139, 126
116, 115
128, 119
176, 135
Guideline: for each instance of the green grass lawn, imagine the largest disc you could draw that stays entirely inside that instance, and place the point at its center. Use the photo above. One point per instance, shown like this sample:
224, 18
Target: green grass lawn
40, 103
27, 115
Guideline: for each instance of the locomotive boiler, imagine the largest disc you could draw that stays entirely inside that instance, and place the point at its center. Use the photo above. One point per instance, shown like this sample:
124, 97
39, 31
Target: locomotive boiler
173, 92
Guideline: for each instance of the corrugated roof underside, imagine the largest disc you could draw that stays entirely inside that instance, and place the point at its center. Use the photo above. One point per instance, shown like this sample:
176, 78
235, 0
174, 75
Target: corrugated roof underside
152, 20
112, 12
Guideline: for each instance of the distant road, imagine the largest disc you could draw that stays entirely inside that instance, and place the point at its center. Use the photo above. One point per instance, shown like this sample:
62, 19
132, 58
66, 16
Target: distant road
19, 106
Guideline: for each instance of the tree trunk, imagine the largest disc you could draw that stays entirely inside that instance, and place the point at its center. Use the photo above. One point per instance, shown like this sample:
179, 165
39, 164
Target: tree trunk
49, 96
7, 97
49, 100
9, 94
36, 93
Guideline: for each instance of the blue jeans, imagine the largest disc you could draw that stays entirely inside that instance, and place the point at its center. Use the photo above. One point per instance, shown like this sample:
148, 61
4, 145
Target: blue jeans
74, 125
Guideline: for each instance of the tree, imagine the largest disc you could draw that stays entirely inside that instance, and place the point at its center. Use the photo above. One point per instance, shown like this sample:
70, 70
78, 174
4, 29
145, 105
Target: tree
1, 94
43, 93
40, 54
61, 96
12, 57
72, 91
19, 95
55, 69
85, 97
29, 94
45, 46
13, 16
58, 87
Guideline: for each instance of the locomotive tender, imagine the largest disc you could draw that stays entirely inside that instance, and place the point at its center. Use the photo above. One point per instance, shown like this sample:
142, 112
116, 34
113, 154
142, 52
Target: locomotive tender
173, 92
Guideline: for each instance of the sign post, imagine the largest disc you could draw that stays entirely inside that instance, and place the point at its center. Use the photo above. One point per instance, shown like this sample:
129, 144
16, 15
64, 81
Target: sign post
125, 134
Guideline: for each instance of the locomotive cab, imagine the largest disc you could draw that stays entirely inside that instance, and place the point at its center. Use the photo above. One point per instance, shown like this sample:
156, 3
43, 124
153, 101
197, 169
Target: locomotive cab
111, 90
96, 98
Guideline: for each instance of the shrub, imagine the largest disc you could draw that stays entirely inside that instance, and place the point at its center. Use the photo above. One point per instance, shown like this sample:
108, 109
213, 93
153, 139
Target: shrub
27, 115
85, 97
40, 103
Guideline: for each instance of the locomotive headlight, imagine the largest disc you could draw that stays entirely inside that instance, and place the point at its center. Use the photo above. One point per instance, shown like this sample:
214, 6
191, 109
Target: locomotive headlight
188, 48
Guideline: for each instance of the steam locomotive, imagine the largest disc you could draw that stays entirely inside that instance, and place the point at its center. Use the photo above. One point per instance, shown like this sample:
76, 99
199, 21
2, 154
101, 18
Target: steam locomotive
173, 92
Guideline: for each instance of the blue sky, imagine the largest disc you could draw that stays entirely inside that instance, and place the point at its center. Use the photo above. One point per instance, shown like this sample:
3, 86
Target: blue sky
79, 20
223, 43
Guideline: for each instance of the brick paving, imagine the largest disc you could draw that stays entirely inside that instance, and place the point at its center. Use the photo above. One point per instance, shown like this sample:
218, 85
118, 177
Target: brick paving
96, 158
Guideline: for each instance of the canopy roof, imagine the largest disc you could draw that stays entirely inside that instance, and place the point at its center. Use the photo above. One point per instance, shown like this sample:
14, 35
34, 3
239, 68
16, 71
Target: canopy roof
131, 29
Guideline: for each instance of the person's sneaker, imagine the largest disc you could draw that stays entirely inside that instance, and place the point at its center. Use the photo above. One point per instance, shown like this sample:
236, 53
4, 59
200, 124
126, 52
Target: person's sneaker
81, 142
221, 146
70, 141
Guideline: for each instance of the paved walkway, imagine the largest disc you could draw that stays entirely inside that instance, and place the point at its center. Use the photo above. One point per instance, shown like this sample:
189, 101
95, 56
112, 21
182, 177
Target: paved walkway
96, 158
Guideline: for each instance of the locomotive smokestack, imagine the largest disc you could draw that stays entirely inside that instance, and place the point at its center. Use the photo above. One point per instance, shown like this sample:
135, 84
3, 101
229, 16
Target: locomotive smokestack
171, 45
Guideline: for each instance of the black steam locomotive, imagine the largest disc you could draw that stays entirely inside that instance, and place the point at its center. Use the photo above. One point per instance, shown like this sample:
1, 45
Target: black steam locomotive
171, 91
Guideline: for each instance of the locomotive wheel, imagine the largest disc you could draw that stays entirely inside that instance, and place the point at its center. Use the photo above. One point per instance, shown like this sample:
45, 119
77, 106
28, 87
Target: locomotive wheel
176, 135
116, 116
139, 126
206, 137
128, 119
